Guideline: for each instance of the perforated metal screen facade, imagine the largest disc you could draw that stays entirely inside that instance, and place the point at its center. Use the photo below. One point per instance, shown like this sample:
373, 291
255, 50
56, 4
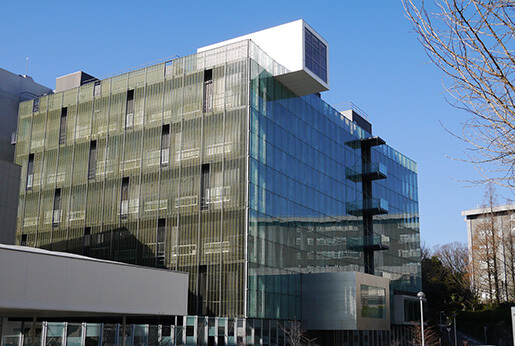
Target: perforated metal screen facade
146, 138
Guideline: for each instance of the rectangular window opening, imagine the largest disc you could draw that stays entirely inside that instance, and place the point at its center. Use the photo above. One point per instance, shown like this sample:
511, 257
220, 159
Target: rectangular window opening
97, 89
208, 90
62, 125
35, 106
204, 187
56, 217
160, 243
190, 331
30, 172
86, 241
124, 206
165, 145
129, 111
92, 164
202, 286
168, 68
373, 302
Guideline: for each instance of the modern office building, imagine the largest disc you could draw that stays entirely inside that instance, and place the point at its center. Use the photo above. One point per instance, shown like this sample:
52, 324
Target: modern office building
228, 165
491, 243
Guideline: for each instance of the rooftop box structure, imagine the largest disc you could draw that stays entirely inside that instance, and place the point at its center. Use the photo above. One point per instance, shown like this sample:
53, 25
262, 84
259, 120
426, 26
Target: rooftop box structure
73, 80
297, 47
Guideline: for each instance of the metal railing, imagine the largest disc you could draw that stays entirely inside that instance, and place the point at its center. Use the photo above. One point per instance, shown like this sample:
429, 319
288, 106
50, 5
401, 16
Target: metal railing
374, 205
344, 106
357, 172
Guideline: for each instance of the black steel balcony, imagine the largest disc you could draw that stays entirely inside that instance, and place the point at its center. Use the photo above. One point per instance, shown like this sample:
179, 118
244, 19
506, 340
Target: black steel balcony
372, 206
366, 142
369, 171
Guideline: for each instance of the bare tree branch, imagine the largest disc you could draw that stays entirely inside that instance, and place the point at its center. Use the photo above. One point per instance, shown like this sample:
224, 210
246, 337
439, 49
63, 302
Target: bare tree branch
473, 43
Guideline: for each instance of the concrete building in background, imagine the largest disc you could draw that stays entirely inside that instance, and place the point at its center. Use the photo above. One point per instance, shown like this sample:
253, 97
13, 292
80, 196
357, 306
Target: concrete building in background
9, 195
228, 165
13, 90
491, 243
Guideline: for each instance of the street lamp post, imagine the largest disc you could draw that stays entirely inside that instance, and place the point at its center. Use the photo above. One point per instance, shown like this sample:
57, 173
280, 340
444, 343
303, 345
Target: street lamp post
421, 295
455, 336
440, 338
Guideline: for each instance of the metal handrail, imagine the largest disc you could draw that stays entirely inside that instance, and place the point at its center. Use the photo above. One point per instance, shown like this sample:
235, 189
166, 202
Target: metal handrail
344, 106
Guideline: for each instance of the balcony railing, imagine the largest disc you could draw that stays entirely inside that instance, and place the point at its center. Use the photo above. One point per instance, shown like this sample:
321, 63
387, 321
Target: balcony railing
372, 206
369, 171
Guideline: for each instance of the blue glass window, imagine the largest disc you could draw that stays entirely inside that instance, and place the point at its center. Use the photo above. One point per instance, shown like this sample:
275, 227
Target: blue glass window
315, 55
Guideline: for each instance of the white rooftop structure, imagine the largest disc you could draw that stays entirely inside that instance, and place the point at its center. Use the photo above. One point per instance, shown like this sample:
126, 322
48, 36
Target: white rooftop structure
485, 210
297, 47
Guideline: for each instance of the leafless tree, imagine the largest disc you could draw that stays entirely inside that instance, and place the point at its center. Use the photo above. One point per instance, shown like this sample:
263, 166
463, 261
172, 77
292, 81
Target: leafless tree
486, 241
454, 256
296, 336
425, 251
494, 239
413, 336
482, 260
472, 42
431, 337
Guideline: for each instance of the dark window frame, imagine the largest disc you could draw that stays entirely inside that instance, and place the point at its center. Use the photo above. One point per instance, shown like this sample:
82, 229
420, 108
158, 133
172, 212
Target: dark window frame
56, 211
207, 98
205, 178
129, 110
86, 241
30, 172
23, 240
124, 198
62, 125
161, 243
92, 161
165, 146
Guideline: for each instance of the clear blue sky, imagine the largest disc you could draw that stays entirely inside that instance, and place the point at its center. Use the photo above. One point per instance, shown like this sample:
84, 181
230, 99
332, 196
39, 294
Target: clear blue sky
375, 62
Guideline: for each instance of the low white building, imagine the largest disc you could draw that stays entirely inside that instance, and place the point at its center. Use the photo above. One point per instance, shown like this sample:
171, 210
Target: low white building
38, 285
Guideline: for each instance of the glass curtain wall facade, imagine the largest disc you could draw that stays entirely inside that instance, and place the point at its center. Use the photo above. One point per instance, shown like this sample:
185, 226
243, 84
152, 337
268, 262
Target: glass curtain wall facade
207, 164
299, 192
